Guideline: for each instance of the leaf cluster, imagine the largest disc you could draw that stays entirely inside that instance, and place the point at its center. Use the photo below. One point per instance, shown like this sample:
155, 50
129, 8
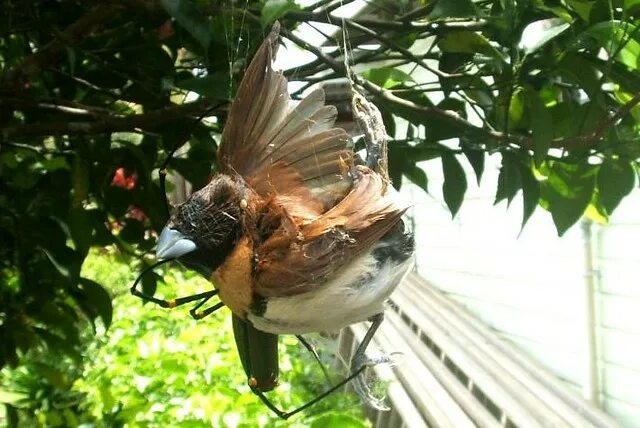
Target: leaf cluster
552, 88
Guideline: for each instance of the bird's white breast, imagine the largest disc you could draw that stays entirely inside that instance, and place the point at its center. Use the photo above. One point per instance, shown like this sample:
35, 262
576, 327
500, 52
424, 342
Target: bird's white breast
353, 294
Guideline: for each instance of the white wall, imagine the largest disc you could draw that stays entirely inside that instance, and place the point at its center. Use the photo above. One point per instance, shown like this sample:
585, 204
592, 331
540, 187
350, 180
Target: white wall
533, 288
618, 306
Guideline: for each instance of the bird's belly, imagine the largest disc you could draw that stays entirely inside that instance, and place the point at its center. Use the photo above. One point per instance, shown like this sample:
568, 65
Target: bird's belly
354, 294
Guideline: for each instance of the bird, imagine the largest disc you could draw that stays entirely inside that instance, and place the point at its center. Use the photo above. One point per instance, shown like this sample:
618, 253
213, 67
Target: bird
296, 231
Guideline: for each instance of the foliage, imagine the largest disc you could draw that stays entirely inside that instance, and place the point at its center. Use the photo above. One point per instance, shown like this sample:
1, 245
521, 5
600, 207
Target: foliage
95, 95
155, 368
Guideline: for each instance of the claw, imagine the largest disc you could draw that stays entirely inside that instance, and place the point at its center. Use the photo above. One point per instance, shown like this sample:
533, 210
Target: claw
360, 384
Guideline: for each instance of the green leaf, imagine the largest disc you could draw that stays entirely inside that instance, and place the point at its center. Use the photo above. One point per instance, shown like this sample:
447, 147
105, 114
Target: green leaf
275, 9
51, 374
330, 420
66, 261
196, 171
567, 192
616, 179
455, 182
541, 126
154, 61
389, 122
539, 33
80, 228
455, 105
191, 18
583, 71
617, 37
395, 174
476, 159
106, 397
509, 180
15, 398
631, 6
468, 42
52, 164
417, 176
99, 299
453, 9
516, 107
582, 8
132, 231
80, 177
56, 343
436, 128
387, 77
530, 193
214, 86
118, 200
628, 80
481, 94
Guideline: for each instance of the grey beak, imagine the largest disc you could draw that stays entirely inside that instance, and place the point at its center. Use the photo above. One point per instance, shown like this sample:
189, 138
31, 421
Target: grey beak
172, 244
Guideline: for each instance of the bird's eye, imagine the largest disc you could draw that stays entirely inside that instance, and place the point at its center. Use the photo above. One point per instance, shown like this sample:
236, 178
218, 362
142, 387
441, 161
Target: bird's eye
222, 194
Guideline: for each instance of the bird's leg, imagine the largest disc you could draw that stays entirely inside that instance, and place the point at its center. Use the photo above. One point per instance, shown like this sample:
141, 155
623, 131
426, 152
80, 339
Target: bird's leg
169, 304
287, 415
358, 364
311, 349
360, 360
203, 297
208, 311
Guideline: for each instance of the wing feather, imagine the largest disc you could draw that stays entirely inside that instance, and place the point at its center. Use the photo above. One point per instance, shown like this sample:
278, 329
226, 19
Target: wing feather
264, 130
317, 249
317, 210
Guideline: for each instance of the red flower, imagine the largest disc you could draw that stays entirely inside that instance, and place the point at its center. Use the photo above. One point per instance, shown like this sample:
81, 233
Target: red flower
137, 214
124, 180
165, 30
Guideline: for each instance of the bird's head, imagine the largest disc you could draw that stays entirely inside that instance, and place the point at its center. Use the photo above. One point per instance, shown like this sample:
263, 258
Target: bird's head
203, 230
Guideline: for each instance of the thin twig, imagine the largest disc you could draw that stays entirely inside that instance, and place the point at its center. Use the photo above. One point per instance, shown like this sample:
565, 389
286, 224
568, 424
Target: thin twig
59, 106
390, 97
608, 123
405, 52
433, 27
467, 128
107, 124
37, 149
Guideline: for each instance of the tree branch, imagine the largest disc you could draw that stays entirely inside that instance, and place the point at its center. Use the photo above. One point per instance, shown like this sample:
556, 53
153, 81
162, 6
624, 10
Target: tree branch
58, 106
608, 123
386, 95
145, 121
433, 27
580, 142
405, 52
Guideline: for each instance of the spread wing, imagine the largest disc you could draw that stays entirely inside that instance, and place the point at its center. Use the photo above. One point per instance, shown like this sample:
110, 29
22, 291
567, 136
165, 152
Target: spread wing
317, 210
294, 259
291, 151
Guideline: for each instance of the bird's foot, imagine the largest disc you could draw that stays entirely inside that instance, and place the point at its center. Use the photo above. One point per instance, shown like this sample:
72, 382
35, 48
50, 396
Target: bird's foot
361, 384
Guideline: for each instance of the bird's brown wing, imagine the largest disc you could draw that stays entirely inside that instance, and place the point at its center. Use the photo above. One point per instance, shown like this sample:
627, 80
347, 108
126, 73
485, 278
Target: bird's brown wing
280, 149
294, 259
315, 211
